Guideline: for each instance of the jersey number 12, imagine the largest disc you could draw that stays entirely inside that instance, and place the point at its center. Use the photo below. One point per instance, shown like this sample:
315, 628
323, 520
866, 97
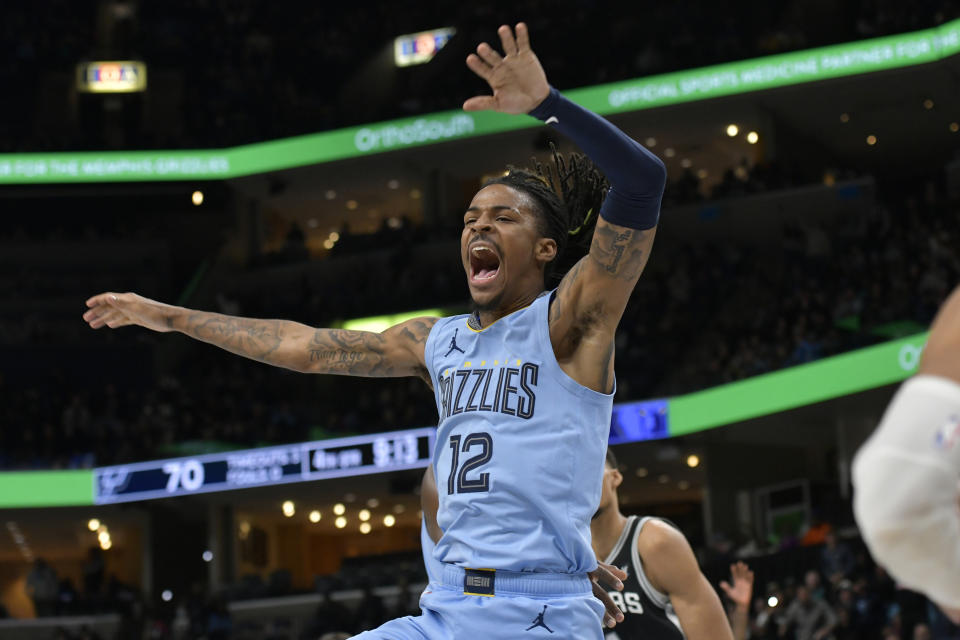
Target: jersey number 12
458, 481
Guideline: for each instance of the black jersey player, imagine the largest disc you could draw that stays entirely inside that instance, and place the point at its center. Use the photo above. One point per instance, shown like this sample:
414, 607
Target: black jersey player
665, 596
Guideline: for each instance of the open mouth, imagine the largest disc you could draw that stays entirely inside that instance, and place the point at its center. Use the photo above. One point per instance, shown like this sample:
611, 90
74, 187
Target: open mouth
484, 263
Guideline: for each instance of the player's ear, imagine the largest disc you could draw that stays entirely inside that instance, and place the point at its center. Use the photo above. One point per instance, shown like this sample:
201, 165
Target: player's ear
545, 250
617, 478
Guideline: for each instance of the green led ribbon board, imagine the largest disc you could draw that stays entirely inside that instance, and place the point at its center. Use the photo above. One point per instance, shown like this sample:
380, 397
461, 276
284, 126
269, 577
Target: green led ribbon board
798, 386
865, 56
806, 384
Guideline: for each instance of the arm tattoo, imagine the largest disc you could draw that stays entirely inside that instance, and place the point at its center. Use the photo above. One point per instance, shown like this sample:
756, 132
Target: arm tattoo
256, 339
619, 252
361, 353
356, 353
295, 346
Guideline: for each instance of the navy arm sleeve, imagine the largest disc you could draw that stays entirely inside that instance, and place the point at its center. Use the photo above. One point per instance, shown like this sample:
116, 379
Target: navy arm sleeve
637, 177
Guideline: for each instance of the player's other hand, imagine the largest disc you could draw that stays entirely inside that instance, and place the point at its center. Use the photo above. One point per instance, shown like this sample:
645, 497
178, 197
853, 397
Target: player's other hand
516, 77
607, 574
741, 591
116, 310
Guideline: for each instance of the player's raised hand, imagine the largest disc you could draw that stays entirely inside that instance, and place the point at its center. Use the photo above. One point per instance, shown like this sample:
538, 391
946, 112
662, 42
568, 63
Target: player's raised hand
116, 310
607, 574
741, 591
516, 78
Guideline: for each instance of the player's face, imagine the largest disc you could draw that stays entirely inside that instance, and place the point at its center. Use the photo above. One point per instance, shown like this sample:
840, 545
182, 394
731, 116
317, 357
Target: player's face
501, 247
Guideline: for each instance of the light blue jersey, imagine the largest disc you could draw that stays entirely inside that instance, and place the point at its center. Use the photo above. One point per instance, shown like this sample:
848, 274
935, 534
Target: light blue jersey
520, 447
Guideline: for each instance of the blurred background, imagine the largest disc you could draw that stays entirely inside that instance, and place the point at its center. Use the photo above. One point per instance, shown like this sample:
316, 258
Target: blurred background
809, 233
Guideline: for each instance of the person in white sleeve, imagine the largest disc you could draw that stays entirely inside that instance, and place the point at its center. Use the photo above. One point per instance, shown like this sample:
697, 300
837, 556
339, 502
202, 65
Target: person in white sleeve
907, 475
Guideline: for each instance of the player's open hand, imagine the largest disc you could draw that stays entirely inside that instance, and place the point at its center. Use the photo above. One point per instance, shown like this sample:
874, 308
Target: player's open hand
741, 591
116, 310
607, 574
516, 78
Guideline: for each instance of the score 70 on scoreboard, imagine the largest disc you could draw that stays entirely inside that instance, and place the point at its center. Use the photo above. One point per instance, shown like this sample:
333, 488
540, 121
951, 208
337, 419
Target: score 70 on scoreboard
267, 466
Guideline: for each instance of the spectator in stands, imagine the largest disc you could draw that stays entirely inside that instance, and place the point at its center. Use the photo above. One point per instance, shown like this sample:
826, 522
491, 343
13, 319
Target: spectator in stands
808, 618
845, 628
836, 559
218, 623
43, 587
768, 614
811, 580
922, 632
93, 573
66, 598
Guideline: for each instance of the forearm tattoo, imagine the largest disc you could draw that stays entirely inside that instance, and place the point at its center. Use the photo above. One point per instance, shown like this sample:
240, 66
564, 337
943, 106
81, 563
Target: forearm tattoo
248, 337
337, 351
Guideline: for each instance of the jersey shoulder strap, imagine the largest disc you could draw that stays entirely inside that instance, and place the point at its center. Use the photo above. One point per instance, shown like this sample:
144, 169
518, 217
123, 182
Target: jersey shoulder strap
659, 598
625, 536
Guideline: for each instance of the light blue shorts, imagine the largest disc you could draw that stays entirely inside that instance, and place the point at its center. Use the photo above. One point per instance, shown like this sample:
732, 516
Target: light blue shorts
523, 605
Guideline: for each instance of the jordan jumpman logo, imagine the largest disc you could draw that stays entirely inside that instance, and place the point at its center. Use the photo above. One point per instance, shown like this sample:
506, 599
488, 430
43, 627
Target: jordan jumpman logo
453, 344
538, 621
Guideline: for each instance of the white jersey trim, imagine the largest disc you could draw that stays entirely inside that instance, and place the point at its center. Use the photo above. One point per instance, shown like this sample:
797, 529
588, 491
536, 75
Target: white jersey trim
659, 598
623, 538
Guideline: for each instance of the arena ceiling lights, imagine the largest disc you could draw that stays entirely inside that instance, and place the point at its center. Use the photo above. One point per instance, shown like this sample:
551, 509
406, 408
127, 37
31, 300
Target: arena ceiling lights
855, 58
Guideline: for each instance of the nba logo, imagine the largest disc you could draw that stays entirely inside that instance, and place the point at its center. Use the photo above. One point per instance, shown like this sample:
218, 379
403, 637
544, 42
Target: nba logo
947, 434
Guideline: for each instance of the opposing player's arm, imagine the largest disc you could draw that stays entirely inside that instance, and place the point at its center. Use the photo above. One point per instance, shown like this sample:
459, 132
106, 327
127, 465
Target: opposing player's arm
396, 352
909, 518
672, 568
941, 356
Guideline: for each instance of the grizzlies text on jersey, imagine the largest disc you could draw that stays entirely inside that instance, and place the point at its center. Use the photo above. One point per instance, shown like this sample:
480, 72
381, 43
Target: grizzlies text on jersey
520, 446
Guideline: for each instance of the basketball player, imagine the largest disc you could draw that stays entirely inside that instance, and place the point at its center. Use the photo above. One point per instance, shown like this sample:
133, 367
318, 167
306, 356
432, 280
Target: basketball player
906, 475
524, 385
665, 596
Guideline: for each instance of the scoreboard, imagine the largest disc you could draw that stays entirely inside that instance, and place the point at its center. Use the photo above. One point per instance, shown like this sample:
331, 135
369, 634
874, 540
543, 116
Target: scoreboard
303, 462
319, 460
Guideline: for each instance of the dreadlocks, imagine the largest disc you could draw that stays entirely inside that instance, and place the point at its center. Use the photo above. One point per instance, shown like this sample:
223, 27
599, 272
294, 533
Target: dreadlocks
568, 193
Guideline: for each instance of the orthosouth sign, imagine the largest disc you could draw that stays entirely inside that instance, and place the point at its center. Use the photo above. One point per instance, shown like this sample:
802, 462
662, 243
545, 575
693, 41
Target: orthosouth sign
909, 356
878, 54
420, 131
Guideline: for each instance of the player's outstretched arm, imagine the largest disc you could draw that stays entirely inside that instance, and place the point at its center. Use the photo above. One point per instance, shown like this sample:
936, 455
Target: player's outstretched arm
672, 568
905, 475
594, 294
396, 352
